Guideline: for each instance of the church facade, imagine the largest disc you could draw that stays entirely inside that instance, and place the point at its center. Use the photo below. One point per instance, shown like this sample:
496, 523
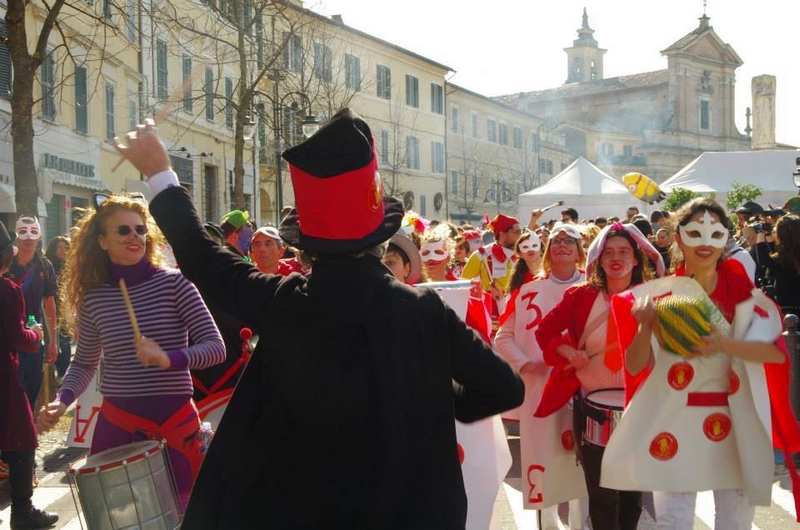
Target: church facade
652, 122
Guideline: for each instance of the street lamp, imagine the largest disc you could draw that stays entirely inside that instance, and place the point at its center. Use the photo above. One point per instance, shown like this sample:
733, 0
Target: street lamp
309, 126
498, 192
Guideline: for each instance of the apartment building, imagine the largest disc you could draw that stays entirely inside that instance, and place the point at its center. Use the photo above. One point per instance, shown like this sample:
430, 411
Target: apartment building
494, 153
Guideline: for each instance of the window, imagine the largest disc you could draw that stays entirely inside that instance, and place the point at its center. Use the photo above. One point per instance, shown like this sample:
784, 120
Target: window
503, 134
107, 4
607, 150
412, 91
545, 166
384, 147
475, 127
81, 101
453, 183
323, 59
186, 78
161, 69
627, 151
210, 193
293, 52
48, 85
422, 205
474, 185
229, 103
491, 130
5, 62
208, 88
705, 115
412, 152
437, 157
454, 119
437, 99
517, 138
133, 114
535, 142
384, 82
352, 72
131, 20
110, 118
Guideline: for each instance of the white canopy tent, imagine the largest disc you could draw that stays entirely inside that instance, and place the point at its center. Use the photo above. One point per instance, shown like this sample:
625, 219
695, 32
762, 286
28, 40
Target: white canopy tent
581, 186
716, 171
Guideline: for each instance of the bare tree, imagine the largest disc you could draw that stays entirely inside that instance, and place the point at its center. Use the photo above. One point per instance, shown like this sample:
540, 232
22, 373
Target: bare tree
476, 169
401, 126
246, 37
60, 16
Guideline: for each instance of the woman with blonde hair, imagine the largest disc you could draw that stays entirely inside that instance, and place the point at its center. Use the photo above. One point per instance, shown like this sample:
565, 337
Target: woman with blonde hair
145, 380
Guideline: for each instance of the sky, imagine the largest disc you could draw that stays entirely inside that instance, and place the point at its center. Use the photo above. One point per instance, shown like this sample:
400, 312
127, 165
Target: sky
507, 46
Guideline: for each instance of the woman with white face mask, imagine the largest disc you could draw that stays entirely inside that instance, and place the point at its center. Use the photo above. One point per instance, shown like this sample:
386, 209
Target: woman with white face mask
435, 254
701, 420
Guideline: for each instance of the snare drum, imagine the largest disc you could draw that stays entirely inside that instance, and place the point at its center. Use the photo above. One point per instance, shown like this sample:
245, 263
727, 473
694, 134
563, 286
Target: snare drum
127, 487
603, 410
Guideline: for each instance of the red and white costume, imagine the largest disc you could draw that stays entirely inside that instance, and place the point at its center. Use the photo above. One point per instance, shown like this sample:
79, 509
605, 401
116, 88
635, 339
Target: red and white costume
550, 474
704, 423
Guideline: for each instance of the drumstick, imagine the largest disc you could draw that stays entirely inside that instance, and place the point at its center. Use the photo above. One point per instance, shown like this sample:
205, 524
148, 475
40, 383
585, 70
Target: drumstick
170, 104
129, 306
559, 203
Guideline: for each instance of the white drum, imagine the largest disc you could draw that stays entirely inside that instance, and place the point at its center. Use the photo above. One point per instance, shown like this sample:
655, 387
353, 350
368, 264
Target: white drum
127, 488
603, 410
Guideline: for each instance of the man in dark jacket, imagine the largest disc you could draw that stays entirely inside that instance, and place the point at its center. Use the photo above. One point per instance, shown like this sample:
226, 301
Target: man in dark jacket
344, 417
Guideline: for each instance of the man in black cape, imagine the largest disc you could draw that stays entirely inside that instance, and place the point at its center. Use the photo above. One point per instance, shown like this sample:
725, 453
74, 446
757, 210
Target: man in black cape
344, 417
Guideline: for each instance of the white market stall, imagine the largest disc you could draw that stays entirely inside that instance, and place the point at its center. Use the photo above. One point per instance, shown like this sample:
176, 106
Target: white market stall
582, 186
715, 172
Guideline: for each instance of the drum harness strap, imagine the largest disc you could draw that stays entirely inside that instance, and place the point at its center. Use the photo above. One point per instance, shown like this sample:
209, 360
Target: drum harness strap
579, 412
176, 431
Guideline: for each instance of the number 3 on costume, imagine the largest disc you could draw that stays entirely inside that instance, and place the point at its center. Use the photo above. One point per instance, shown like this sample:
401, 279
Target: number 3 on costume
537, 497
532, 307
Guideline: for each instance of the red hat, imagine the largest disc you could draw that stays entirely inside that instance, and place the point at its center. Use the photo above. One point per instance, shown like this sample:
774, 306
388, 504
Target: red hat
340, 207
501, 223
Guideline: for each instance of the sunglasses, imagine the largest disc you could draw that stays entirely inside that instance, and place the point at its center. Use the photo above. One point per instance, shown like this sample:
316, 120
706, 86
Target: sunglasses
125, 230
563, 241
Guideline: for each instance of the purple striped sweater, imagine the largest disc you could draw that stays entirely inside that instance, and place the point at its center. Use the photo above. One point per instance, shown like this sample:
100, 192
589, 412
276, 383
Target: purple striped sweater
168, 309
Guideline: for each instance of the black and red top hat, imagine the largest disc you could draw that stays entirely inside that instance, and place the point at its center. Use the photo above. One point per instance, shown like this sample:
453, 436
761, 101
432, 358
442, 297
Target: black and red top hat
339, 203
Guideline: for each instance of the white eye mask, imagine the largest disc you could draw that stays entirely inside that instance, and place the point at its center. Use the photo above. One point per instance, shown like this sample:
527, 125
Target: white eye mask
532, 243
28, 228
434, 251
711, 233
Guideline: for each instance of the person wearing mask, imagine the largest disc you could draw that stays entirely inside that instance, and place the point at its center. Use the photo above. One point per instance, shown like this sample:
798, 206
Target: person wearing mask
35, 275
363, 406
701, 412
238, 232
17, 431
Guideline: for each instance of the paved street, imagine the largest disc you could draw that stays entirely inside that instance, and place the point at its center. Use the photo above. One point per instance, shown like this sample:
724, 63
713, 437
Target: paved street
54, 494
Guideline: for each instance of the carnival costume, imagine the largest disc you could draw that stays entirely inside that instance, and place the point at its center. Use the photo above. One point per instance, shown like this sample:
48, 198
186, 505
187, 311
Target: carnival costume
705, 423
345, 417
550, 474
584, 314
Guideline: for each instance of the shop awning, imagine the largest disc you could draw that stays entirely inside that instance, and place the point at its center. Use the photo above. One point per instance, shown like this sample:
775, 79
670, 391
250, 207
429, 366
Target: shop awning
8, 202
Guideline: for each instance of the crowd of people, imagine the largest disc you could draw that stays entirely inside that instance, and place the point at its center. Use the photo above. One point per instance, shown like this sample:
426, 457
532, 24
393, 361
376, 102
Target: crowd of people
357, 378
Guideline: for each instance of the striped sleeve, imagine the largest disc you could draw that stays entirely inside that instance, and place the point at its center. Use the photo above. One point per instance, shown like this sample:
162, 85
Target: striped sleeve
207, 347
87, 356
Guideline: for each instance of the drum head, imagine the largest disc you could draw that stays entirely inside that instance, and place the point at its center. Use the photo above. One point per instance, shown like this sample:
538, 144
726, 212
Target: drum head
609, 398
115, 456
